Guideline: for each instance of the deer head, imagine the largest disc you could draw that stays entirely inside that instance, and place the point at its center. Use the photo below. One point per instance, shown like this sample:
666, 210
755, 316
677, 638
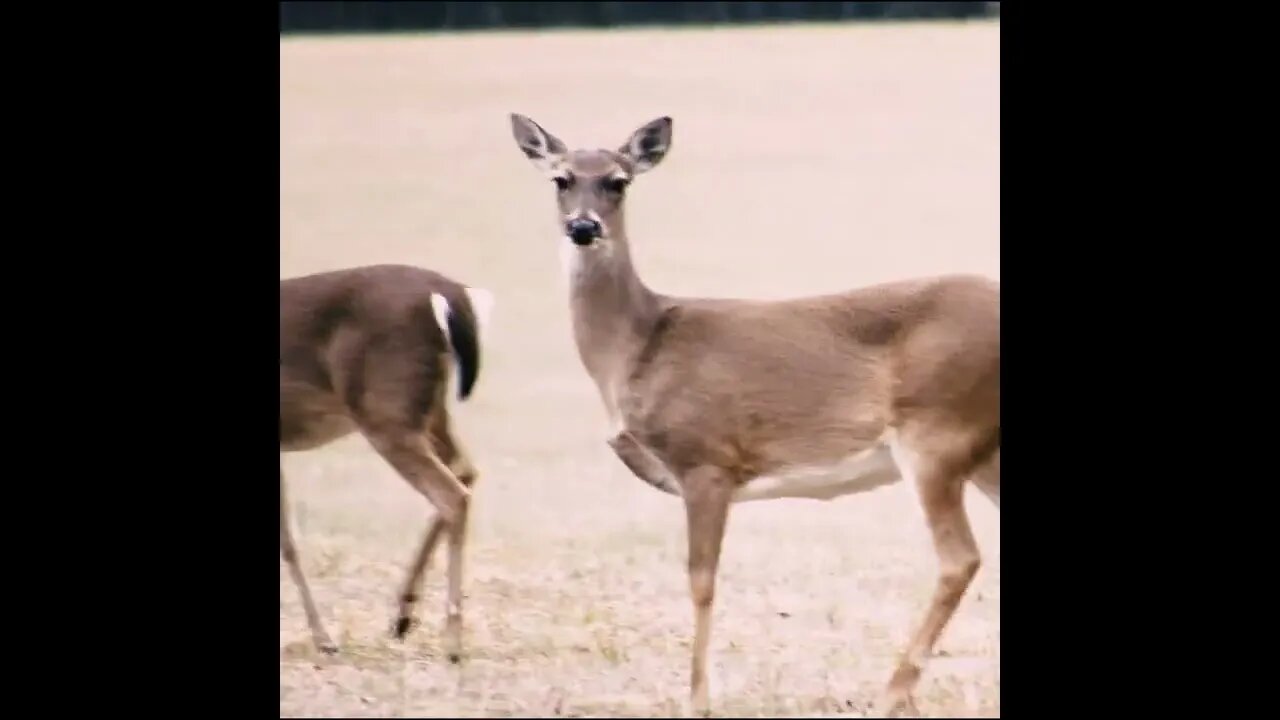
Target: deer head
591, 184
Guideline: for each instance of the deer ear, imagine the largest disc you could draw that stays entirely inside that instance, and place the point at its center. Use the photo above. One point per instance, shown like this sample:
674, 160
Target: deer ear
647, 146
542, 148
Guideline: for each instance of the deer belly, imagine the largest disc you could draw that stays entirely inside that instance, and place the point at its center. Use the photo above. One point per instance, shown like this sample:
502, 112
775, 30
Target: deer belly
861, 472
314, 431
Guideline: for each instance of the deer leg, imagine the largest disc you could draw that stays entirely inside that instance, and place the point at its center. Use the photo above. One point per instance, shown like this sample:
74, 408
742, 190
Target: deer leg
707, 493
321, 638
412, 457
448, 450
987, 479
460, 465
413, 583
942, 495
453, 608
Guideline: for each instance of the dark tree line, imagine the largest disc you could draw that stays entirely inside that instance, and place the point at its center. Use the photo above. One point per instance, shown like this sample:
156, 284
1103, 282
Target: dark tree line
298, 17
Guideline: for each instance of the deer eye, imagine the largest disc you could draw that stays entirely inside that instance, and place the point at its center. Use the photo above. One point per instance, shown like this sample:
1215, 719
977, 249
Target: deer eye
615, 185
563, 182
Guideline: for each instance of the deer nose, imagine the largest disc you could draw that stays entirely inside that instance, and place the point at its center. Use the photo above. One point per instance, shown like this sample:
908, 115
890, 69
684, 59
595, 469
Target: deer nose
582, 230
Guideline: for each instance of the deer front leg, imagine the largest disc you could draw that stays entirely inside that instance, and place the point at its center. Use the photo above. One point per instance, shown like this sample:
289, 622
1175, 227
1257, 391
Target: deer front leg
290, 553
707, 493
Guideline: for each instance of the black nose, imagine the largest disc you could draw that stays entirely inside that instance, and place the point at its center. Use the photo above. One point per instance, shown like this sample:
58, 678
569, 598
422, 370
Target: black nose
582, 230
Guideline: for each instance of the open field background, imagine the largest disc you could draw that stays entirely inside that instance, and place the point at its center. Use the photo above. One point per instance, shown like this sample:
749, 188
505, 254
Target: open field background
805, 159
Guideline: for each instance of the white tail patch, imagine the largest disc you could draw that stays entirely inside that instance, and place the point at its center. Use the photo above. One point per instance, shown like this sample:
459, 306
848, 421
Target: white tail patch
481, 305
482, 302
440, 307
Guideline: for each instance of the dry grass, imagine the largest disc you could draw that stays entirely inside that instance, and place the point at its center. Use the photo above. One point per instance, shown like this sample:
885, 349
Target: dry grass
805, 160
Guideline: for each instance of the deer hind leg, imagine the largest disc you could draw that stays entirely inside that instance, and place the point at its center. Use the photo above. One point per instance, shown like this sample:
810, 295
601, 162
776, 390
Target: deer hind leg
453, 600
412, 591
941, 489
462, 468
413, 582
414, 458
287, 549
707, 493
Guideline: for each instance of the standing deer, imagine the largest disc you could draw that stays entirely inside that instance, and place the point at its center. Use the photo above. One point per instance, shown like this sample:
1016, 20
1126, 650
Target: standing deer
368, 349
720, 401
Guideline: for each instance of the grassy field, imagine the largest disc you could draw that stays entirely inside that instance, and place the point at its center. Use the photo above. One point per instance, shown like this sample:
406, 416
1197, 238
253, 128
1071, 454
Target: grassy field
805, 159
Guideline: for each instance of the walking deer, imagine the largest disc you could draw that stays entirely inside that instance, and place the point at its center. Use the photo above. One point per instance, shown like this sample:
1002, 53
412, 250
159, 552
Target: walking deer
368, 350
719, 401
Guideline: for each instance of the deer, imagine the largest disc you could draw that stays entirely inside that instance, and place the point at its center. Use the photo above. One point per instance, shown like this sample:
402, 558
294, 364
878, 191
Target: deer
372, 350
719, 401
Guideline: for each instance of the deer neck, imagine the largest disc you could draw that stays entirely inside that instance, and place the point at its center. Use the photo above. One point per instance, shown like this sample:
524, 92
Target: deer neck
613, 311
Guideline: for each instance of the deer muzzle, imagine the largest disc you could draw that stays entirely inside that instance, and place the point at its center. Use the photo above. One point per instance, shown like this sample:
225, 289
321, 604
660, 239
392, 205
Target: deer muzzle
582, 231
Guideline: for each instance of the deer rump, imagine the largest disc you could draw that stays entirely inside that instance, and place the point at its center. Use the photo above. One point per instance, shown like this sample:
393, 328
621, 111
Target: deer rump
371, 342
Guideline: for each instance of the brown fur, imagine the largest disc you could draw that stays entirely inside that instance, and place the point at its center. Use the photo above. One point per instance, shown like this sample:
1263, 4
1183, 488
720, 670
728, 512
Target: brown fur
361, 350
709, 395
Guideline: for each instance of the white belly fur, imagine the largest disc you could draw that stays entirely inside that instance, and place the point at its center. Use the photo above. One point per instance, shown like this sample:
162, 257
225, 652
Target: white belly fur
861, 472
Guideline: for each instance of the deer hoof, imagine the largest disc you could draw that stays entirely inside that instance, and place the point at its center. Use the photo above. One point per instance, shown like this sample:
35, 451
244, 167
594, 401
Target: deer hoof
403, 626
